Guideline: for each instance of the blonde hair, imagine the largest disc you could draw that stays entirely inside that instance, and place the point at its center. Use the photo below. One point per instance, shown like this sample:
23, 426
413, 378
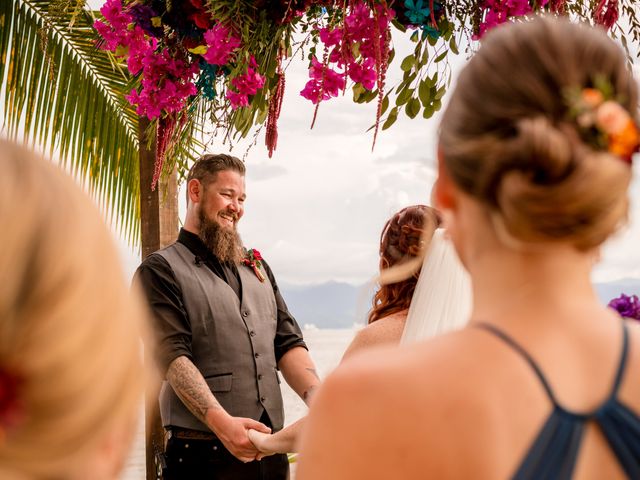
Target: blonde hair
69, 327
507, 139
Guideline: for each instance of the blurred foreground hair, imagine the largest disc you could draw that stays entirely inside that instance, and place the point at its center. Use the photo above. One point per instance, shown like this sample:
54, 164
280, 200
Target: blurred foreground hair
70, 329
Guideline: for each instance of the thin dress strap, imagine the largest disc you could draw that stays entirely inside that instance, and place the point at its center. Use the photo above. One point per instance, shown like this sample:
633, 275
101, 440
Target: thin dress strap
623, 360
516, 346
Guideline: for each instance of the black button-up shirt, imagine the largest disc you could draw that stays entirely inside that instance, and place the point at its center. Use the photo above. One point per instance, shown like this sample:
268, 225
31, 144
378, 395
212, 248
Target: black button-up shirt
172, 326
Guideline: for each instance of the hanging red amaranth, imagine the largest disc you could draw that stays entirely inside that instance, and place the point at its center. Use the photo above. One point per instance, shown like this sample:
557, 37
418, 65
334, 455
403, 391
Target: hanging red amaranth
275, 105
434, 24
606, 13
557, 6
382, 62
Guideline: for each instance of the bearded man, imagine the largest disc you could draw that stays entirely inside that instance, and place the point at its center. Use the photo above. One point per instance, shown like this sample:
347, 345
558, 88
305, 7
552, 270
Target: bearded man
223, 333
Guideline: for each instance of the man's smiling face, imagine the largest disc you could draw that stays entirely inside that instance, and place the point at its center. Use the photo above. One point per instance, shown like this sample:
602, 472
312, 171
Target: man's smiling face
223, 199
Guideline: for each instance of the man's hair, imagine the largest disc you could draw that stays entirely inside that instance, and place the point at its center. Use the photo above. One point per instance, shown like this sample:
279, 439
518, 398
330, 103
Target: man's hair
206, 168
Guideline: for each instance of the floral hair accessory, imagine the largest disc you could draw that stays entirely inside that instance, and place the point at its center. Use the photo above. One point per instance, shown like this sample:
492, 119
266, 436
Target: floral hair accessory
253, 259
11, 408
602, 120
627, 306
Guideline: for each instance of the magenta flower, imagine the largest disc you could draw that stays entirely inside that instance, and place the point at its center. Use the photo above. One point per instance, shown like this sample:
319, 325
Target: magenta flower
626, 306
499, 11
364, 73
222, 44
325, 83
360, 64
330, 37
237, 99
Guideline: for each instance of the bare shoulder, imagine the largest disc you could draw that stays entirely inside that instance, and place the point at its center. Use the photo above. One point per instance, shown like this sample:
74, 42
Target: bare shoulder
385, 331
418, 396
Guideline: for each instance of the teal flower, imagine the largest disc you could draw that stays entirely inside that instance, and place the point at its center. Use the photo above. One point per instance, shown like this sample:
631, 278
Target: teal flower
416, 12
430, 31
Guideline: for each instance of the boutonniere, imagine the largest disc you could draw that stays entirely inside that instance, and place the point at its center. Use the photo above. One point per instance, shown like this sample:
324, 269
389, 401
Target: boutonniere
253, 260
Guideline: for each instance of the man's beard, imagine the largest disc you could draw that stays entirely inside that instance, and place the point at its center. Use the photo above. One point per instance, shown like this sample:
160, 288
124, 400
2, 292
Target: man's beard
224, 243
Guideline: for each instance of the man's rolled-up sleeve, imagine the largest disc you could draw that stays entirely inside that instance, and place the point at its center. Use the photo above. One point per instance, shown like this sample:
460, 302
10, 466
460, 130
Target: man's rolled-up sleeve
170, 322
288, 333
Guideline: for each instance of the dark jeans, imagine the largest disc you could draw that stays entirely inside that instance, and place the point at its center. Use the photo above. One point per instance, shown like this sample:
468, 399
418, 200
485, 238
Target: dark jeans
210, 460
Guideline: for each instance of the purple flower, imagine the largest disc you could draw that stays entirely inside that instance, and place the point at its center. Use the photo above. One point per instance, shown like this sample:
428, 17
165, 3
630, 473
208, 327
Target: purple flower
626, 306
142, 15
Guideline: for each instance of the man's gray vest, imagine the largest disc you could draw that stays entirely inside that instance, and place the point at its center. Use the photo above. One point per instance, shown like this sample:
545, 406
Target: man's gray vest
232, 342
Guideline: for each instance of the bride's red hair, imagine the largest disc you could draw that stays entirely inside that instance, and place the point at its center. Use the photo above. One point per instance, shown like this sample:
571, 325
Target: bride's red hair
399, 242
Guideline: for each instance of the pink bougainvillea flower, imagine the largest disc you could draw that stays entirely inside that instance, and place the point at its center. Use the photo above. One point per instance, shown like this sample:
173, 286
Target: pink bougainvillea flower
237, 99
364, 73
330, 37
325, 83
249, 82
222, 44
499, 11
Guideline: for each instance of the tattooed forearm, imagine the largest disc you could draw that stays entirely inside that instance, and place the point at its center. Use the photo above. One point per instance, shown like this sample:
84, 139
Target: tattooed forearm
190, 386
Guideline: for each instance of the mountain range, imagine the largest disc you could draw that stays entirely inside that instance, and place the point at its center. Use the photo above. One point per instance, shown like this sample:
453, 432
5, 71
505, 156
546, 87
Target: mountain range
343, 305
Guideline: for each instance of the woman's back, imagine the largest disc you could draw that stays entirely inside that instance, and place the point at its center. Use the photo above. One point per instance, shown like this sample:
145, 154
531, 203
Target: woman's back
477, 414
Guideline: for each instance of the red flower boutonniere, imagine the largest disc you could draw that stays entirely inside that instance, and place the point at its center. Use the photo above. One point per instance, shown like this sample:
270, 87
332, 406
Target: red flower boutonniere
253, 259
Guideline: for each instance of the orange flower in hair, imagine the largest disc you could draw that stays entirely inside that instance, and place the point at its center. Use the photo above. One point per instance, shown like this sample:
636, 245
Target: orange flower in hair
626, 141
592, 97
602, 121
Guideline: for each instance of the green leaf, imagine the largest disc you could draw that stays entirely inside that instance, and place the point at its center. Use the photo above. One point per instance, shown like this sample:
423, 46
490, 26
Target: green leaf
412, 108
453, 46
440, 92
442, 56
69, 98
428, 111
358, 90
391, 119
408, 62
404, 96
424, 92
385, 104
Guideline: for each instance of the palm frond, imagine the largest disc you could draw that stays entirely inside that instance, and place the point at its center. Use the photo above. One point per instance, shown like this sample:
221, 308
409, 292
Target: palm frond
66, 95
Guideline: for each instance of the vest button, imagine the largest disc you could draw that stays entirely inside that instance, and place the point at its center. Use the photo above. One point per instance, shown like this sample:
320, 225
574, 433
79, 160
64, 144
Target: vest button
252, 333
262, 399
257, 355
245, 314
259, 376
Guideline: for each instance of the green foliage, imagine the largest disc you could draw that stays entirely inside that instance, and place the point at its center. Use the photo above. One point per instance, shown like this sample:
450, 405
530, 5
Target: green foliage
66, 96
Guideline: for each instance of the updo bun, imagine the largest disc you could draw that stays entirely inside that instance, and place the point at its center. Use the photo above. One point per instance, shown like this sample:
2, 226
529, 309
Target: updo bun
508, 140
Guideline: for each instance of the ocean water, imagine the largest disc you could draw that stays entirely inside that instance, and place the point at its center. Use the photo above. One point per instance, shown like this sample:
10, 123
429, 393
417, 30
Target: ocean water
326, 348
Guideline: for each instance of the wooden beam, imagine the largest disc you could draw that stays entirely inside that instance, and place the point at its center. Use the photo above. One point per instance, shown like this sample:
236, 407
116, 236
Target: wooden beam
159, 228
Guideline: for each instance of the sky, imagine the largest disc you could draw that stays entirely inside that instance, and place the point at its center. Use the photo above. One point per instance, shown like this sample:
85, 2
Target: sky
315, 210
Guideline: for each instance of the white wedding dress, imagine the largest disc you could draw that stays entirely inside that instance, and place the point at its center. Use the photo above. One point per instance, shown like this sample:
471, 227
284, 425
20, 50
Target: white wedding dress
442, 298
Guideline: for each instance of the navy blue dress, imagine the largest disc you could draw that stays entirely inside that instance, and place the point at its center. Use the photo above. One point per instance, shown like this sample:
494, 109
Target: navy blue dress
553, 453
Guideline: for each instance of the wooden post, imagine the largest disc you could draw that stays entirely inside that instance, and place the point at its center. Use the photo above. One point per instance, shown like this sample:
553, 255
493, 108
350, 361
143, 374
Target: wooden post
159, 227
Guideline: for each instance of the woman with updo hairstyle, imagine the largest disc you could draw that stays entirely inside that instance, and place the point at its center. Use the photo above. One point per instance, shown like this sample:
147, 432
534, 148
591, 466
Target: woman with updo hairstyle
534, 164
402, 238
71, 376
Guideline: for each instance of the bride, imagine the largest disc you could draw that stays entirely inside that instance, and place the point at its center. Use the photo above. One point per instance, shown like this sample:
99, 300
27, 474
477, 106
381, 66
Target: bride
424, 291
